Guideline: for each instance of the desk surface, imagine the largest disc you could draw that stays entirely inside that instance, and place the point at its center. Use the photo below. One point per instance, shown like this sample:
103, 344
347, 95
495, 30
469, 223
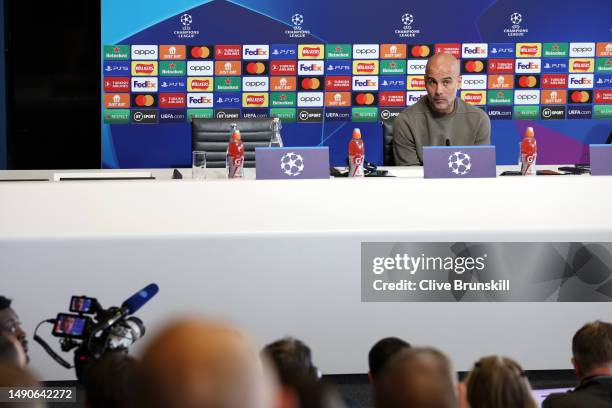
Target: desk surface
555, 204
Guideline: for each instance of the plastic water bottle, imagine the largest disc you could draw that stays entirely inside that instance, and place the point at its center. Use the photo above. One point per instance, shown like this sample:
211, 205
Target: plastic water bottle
356, 154
235, 155
529, 153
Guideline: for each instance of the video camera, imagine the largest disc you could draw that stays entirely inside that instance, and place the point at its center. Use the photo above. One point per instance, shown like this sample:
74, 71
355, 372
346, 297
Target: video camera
94, 331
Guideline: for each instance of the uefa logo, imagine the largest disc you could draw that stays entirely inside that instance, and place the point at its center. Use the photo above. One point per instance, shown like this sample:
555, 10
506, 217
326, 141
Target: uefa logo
297, 21
515, 29
459, 163
292, 164
407, 31
407, 20
186, 31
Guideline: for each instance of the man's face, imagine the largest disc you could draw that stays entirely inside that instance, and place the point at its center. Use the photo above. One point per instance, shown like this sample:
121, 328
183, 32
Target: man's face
442, 80
9, 323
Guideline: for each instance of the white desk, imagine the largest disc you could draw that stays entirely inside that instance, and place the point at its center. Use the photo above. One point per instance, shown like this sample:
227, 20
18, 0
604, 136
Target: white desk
282, 257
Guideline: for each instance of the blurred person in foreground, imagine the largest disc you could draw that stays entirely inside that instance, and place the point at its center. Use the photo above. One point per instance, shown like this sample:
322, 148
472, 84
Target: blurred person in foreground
11, 351
417, 378
111, 381
12, 376
10, 324
381, 353
592, 361
198, 363
496, 382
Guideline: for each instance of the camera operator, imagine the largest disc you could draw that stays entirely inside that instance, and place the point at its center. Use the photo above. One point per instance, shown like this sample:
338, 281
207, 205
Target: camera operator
10, 324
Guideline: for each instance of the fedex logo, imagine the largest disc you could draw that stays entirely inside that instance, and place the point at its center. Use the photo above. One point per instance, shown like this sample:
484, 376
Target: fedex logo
256, 52
148, 84
310, 68
200, 100
474, 50
413, 97
528, 66
580, 81
365, 83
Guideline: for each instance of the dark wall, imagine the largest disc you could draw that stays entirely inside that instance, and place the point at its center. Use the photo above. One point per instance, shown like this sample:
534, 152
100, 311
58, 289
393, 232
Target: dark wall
53, 84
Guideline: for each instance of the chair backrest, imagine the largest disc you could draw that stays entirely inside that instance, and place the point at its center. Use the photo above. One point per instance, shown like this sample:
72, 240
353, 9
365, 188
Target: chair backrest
212, 136
387, 131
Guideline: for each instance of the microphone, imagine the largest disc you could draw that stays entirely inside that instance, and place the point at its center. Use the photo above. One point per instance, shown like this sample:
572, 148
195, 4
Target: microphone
130, 306
448, 142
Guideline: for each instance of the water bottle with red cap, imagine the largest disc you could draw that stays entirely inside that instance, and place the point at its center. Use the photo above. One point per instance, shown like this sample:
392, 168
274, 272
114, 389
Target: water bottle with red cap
529, 153
235, 155
356, 154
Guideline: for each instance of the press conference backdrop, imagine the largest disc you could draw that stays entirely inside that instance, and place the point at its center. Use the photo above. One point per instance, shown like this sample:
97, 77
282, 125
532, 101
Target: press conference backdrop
325, 67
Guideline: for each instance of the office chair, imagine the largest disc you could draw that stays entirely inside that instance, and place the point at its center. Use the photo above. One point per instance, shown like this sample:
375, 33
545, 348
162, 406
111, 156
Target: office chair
387, 133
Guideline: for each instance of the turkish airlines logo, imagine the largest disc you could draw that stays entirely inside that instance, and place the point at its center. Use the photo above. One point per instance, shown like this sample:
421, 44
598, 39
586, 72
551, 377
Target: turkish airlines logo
340, 83
172, 100
119, 84
501, 66
283, 68
392, 98
230, 52
554, 81
452, 49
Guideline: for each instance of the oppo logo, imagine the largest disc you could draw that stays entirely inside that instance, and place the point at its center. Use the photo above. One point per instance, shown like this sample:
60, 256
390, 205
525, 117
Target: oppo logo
582, 49
144, 52
310, 98
473, 82
365, 51
197, 68
526, 97
417, 66
255, 83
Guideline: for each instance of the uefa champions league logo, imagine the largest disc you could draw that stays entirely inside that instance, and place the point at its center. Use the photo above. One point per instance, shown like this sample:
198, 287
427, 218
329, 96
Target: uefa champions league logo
407, 30
516, 30
292, 164
186, 31
459, 163
297, 20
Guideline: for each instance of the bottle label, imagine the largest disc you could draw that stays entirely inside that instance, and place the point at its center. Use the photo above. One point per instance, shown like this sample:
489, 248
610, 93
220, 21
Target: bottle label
235, 166
356, 165
528, 164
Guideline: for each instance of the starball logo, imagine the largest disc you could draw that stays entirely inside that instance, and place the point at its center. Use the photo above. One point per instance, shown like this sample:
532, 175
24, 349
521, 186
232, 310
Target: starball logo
297, 21
186, 31
516, 29
408, 30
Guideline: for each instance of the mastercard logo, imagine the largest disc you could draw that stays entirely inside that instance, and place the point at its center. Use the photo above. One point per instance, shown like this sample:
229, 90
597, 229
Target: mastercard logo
420, 51
310, 83
580, 96
200, 52
474, 66
527, 81
255, 68
144, 100
365, 99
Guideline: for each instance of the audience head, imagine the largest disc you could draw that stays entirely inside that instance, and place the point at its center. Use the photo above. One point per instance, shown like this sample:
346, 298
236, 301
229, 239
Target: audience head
200, 363
290, 357
498, 382
417, 378
592, 349
13, 376
382, 352
10, 324
110, 381
11, 351
442, 79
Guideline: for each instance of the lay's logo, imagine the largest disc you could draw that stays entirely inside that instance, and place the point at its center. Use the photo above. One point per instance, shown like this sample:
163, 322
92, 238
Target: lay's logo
528, 50
140, 68
582, 65
415, 82
365, 67
311, 51
259, 100
474, 98
197, 84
